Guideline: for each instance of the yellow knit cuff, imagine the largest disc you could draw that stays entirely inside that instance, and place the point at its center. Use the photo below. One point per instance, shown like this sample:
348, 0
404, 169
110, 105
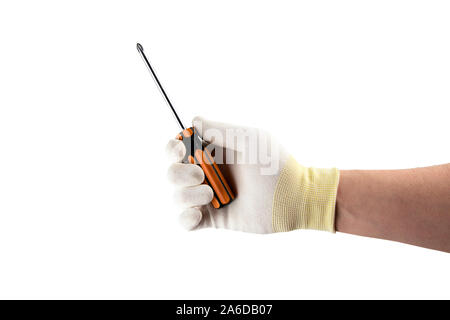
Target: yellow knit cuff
305, 198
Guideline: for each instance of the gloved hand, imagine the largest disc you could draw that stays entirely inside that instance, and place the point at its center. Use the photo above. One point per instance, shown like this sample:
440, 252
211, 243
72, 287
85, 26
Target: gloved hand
273, 192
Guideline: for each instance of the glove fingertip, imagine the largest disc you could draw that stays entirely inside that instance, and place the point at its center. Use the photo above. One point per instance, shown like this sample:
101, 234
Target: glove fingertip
185, 175
190, 218
175, 150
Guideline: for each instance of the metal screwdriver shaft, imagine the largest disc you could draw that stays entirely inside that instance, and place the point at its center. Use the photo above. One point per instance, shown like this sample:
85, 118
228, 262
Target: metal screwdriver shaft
140, 49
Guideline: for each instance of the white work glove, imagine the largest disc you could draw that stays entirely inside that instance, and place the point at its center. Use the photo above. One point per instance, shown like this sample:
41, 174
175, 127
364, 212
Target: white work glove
273, 193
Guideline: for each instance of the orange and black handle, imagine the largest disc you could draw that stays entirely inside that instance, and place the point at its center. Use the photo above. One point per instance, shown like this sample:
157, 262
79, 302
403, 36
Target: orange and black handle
198, 154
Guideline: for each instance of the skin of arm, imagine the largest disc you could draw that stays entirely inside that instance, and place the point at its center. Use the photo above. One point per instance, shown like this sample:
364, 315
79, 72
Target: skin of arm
410, 206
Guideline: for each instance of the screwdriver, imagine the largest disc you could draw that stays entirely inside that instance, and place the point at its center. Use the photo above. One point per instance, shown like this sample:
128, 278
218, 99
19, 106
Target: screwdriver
196, 150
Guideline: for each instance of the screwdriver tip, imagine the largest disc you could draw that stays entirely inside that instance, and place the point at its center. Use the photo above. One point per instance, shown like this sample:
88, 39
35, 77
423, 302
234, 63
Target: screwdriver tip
139, 47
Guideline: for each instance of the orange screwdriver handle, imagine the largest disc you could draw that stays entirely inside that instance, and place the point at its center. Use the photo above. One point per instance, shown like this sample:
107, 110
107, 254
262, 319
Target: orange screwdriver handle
196, 153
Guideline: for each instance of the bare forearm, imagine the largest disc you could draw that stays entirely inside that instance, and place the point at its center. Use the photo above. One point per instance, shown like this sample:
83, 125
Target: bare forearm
410, 206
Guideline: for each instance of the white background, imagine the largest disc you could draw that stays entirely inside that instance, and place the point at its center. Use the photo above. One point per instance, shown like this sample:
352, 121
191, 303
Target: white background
85, 208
